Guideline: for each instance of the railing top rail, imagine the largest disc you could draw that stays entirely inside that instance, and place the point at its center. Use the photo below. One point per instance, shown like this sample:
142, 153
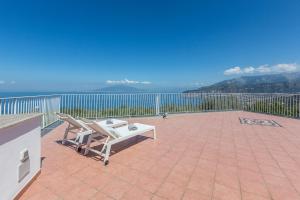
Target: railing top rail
37, 96
161, 93
171, 93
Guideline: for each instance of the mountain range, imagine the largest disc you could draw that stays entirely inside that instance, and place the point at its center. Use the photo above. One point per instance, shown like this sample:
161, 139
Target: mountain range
132, 89
273, 83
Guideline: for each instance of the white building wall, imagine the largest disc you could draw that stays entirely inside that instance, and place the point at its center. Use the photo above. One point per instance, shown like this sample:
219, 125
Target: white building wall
13, 140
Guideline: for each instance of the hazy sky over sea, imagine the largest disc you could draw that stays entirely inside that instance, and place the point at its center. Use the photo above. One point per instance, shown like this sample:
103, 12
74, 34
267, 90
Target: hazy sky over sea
69, 45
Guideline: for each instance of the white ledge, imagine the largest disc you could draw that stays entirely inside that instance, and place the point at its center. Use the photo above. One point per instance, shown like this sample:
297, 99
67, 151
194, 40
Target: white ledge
10, 120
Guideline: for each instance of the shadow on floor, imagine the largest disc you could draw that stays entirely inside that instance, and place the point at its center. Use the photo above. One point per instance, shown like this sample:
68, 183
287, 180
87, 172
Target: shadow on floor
114, 149
49, 128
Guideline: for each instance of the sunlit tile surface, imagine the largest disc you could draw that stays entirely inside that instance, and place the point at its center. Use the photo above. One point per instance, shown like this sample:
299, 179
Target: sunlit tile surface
196, 156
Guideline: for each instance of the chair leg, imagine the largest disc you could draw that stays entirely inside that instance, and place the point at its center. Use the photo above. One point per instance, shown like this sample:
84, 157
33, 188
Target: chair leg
104, 145
154, 134
66, 134
86, 151
78, 148
107, 153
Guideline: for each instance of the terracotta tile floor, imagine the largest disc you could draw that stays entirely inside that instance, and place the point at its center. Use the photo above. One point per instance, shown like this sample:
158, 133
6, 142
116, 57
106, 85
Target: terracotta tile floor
196, 156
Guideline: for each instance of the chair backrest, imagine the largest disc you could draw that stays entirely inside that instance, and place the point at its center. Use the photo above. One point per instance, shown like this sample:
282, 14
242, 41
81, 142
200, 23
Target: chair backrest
108, 131
71, 120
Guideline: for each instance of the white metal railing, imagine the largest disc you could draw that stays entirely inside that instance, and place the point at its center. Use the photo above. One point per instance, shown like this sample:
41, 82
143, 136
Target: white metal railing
99, 105
272, 103
139, 104
47, 105
145, 104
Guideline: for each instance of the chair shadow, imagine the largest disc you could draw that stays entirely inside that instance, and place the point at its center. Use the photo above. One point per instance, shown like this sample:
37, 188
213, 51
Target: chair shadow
116, 148
42, 159
67, 144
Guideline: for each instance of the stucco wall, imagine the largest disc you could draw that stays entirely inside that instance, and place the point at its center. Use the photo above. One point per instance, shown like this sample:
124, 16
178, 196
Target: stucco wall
13, 140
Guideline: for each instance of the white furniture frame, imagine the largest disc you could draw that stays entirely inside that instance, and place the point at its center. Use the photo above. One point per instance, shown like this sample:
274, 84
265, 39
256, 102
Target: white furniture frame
73, 124
84, 129
116, 135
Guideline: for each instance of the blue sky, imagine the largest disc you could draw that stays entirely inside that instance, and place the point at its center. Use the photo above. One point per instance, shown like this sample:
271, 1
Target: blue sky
70, 45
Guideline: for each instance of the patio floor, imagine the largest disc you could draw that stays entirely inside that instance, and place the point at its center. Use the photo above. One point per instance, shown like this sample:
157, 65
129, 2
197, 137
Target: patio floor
196, 156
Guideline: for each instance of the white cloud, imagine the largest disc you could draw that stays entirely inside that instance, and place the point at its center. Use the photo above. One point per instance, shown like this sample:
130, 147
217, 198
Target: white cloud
198, 84
232, 71
263, 69
249, 70
2, 82
145, 82
126, 81
286, 67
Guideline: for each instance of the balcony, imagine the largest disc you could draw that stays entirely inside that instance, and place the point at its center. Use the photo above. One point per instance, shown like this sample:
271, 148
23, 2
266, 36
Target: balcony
197, 155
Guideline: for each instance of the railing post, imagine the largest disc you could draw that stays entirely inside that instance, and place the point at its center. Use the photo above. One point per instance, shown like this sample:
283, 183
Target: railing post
60, 98
298, 105
243, 99
15, 106
157, 104
44, 111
